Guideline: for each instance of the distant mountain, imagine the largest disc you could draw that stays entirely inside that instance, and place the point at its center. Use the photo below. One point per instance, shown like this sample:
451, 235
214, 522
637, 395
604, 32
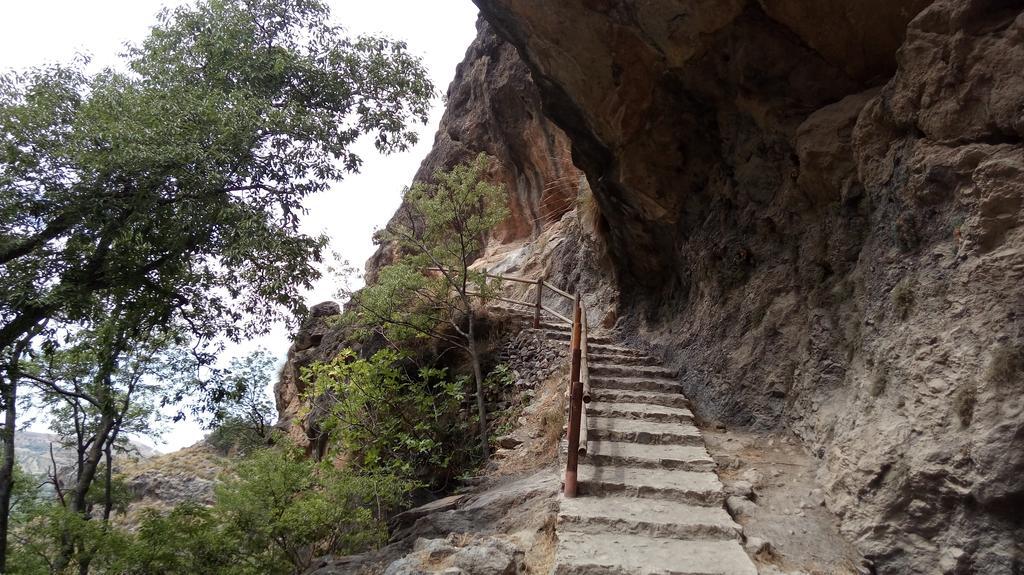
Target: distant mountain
32, 452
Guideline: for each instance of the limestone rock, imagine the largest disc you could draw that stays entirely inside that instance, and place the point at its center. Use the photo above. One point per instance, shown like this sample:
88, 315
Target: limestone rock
739, 506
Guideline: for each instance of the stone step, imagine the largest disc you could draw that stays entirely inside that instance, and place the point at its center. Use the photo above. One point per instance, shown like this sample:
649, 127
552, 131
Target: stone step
619, 370
618, 554
652, 517
565, 335
693, 487
612, 395
624, 453
597, 348
647, 432
622, 358
658, 384
640, 411
553, 326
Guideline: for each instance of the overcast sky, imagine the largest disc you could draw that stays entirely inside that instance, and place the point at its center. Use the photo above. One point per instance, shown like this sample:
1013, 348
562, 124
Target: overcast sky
37, 31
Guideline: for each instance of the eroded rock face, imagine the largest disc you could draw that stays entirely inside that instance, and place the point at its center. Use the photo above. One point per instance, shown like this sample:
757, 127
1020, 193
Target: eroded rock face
494, 107
823, 232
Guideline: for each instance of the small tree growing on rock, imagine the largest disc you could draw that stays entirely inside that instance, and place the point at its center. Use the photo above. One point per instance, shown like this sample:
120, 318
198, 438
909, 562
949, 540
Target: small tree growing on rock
429, 291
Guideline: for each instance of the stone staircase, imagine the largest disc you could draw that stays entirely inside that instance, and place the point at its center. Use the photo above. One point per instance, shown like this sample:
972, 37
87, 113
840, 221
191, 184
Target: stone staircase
650, 501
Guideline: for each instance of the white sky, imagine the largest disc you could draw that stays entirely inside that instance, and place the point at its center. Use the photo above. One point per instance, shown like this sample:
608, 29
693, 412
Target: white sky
37, 31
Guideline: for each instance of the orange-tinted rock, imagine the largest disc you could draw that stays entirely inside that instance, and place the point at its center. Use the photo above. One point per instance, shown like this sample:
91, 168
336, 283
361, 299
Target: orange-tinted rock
494, 107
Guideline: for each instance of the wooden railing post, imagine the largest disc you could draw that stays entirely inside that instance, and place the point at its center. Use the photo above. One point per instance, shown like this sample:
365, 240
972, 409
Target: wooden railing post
575, 403
584, 378
540, 302
585, 359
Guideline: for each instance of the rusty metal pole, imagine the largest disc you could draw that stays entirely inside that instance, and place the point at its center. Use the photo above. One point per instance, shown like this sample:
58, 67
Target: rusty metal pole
575, 405
539, 302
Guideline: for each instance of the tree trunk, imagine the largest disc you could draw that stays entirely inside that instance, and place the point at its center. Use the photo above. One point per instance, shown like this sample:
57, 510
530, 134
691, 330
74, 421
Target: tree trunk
86, 475
108, 490
9, 392
92, 463
474, 356
10, 396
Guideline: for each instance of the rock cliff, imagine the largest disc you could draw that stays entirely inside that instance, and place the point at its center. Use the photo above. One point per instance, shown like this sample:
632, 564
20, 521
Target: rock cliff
494, 107
812, 209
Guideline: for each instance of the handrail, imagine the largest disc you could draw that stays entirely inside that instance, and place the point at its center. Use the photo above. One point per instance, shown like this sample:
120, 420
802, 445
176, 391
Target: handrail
576, 405
556, 314
509, 278
558, 291
578, 389
585, 360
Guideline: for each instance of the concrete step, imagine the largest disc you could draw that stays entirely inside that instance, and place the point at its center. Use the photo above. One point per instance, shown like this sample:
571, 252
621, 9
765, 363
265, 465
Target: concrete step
647, 432
659, 384
618, 554
565, 335
622, 358
553, 325
640, 411
652, 517
611, 395
693, 487
624, 453
597, 348
619, 370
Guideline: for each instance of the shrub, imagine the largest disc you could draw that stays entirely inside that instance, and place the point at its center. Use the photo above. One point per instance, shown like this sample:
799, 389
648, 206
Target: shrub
388, 420
280, 512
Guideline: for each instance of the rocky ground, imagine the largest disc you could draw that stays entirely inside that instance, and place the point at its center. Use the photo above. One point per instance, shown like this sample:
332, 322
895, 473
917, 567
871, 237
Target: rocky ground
774, 494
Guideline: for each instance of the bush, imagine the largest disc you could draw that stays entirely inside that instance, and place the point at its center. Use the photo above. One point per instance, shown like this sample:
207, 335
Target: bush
408, 425
191, 539
280, 512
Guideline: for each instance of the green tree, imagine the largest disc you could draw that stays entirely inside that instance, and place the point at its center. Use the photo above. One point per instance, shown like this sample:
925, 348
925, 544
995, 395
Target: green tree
170, 196
93, 401
41, 524
429, 292
236, 408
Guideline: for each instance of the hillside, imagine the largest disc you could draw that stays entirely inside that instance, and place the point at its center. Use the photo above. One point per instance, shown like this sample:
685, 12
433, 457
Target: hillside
32, 451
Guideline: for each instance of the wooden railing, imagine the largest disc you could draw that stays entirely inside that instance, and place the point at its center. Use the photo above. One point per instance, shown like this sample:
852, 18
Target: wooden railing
578, 388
